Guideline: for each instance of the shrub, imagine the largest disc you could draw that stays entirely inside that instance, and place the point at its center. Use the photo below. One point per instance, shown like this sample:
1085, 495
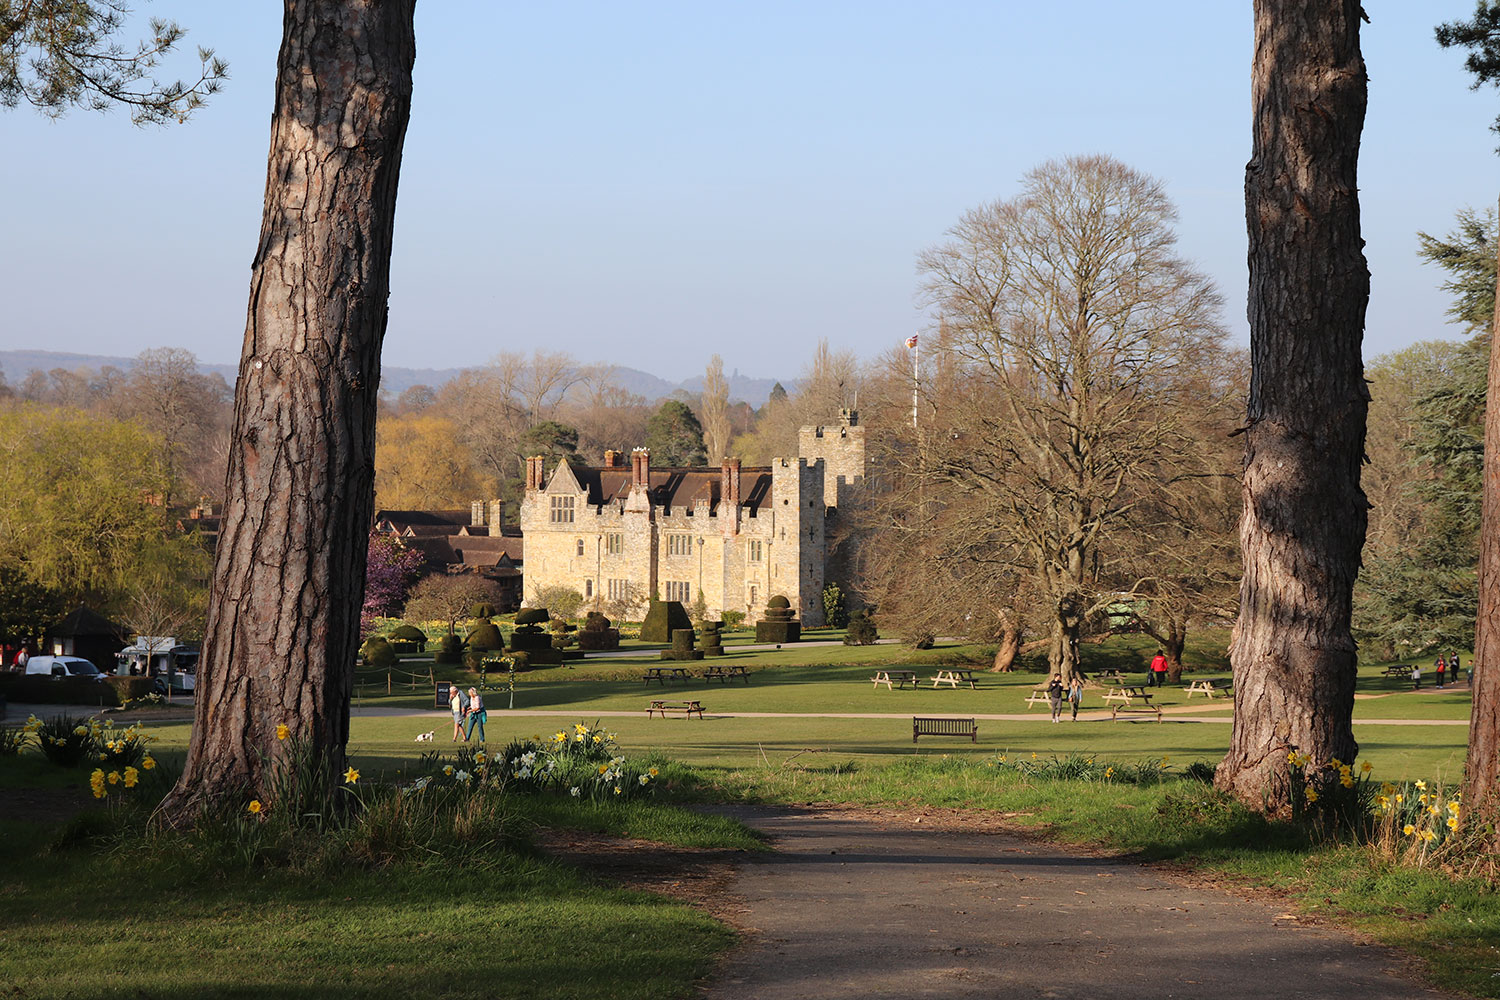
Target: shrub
473, 658
862, 631
733, 620
64, 740
128, 689
662, 619
563, 602
450, 649
13, 739
376, 652
835, 613
482, 610
533, 616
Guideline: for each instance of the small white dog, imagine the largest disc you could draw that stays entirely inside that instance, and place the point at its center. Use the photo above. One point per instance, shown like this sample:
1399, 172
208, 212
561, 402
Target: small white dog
424, 737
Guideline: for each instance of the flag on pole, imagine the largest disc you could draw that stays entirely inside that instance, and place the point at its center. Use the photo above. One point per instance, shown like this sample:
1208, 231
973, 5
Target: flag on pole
911, 341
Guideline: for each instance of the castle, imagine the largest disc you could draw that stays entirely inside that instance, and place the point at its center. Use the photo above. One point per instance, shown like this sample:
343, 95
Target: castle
736, 535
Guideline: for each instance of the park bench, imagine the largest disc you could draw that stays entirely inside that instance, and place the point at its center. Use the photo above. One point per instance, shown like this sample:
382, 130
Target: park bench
1209, 688
944, 727
663, 674
686, 708
1132, 699
725, 673
955, 676
899, 677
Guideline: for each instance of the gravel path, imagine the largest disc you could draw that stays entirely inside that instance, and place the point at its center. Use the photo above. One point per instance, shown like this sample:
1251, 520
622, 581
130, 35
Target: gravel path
859, 904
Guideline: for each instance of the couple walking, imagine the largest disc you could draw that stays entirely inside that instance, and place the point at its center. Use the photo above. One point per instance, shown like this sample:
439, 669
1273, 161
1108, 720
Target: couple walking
468, 713
1056, 691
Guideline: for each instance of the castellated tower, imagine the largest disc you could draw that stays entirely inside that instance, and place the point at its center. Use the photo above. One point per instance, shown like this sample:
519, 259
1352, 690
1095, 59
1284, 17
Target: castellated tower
842, 449
799, 513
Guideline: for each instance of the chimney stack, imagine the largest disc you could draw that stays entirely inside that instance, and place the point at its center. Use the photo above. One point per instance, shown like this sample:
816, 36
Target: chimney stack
640, 469
729, 496
535, 469
476, 513
610, 458
495, 508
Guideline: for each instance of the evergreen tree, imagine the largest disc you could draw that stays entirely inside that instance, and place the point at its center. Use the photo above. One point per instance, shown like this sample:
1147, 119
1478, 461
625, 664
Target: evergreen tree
674, 436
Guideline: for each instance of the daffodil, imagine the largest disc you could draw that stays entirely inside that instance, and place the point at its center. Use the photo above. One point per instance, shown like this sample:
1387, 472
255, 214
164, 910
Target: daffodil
579, 727
575, 791
653, 772
80, 731
448, 770
1347, 781
96, 782
351, 776
1312, 794
1428, 836
645, 779
283, 731
1408, 829
617, 789
113, 777
148, 762
1420, 784
1366, 767
254, 807
132, 776
1453, 822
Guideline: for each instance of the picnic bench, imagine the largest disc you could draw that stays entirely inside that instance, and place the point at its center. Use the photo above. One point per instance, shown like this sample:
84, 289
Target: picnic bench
1398, 670
663, 674
1209, 688
954, 677
944, 727
686, 708
724, 673
898, 677
1039, 695
1132, 698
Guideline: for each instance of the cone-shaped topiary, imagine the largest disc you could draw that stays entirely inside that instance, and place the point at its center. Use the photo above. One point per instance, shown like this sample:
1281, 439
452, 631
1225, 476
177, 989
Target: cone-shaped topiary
662, 619
450, 649
486, 636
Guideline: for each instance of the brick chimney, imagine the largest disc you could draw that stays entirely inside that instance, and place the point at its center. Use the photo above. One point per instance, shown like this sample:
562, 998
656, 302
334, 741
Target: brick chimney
611, 459
640, 469
535, 472
729, 496
494, 522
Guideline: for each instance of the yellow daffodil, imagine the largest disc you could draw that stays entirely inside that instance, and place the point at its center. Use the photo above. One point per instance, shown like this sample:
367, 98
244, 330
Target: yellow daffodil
132, 776
148, 762
1428, 836
1335, 762
645, 779
617, 789
1432, 810
254, 807
96, 782
1312, 794
283, 731
1453, 822
1420, 784
1453, 807
603, 768
80, 731
580, 728
351, 776
1408, 829
113, 777
448, 770
1400, 799
1109, 772
1347, 781
653, 772
1366, 767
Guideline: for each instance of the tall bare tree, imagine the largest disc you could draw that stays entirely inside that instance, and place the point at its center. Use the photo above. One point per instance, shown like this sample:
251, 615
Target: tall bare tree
283, 620
1069, 319
1304, 512
713, 411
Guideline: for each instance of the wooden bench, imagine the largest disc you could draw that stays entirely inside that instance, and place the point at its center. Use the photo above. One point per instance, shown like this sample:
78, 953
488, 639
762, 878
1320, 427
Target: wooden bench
1398, 670
954, 677
724, 673
944, 727
1127, 694
1209, 688
686, 708
1039, 696
899, 677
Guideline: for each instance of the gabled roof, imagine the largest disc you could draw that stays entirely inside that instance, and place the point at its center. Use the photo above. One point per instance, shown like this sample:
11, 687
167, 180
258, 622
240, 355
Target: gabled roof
83, 621
675, 487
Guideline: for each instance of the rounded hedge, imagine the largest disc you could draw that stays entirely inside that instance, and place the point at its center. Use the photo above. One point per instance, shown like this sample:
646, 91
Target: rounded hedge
450, 649
482, 611
376, 652
778, 602
532, 616
485, 637
408, 633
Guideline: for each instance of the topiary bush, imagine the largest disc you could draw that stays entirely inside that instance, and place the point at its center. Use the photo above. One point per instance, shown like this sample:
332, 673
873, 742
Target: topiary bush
409, 633
377, 652
485, 636
662, 619
450, 650
533, 616
482, 610
734, 620
861, 629
474, 658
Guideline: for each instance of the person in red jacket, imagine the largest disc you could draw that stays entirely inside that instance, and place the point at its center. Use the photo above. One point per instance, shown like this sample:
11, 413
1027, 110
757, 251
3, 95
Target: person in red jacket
1159, 669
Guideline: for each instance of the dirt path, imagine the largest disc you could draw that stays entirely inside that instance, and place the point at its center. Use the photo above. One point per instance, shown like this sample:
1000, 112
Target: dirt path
860, 904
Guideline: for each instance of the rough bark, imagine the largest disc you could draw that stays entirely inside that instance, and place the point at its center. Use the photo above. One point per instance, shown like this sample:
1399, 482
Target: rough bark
283, 623
1482, 776
1005, 653
1304, 512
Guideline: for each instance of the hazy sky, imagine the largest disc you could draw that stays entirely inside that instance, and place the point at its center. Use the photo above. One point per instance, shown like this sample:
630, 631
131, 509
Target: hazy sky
650, 183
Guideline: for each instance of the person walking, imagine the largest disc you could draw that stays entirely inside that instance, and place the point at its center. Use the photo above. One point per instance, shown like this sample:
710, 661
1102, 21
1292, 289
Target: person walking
459, 704
1075, 695
1416, 678
1055, 696
1454, 665
477, 715
1159, 669
1439, 668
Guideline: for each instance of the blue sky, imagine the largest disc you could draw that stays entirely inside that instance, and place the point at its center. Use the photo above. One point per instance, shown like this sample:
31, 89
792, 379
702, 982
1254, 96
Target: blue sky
651, 183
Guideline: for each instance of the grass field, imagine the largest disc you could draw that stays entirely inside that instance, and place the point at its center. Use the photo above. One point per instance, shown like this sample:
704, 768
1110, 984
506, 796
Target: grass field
85, 912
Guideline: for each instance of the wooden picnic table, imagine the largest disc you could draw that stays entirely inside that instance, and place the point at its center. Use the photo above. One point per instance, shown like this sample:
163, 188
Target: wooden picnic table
898, 677
1398, 670
687, 708
726, 671
955, 676
1039, 695
663, 674
1132, 698
1208, 688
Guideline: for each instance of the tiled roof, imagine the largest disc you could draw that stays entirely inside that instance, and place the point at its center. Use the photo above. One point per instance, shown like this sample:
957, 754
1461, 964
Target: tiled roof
677, 487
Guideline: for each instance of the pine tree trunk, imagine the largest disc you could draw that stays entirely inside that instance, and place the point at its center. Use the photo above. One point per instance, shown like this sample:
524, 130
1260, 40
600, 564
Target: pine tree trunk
1482, 777
283, 621
1304, 516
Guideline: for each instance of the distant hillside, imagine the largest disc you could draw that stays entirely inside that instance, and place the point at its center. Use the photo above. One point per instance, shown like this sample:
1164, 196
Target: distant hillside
755, 391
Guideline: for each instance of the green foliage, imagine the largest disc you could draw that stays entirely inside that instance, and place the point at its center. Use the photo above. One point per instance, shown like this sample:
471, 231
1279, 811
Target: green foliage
61, 54
533, 616
699, 612
26, 606
674, 436
409, 633
13, 739
835, 614
1481, 37
64, 740
483, 610
377, 652
862, 631
734, 621
1468, 255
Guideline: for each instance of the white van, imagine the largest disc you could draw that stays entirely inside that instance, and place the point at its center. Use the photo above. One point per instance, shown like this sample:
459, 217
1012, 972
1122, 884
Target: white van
63, 666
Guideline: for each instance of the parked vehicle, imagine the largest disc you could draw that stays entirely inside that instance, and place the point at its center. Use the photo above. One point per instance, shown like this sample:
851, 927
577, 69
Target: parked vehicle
161, 657
63, 667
